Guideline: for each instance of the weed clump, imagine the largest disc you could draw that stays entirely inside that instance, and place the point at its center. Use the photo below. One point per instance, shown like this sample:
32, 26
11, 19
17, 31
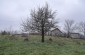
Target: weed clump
26, 39
50, 39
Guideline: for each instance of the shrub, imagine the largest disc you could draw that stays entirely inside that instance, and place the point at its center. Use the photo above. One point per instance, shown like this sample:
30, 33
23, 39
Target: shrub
5, 33
26, 39
50, 39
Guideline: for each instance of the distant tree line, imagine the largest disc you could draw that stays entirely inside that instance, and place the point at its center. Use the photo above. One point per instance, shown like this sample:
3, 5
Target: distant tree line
71, 27
5, 33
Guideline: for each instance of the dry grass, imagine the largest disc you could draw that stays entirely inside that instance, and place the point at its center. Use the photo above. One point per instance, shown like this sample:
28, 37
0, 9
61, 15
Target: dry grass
58, 46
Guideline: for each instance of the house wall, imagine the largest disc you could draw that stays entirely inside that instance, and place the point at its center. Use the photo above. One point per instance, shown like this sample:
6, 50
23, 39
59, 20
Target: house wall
56, 33
75, 36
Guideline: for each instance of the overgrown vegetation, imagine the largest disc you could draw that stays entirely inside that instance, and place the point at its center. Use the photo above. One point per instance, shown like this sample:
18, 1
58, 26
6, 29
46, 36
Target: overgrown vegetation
58, 46
5, 33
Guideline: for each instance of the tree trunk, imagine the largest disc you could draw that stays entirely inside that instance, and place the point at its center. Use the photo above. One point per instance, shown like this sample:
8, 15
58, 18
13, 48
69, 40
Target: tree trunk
42, 31
68, 35
42, 35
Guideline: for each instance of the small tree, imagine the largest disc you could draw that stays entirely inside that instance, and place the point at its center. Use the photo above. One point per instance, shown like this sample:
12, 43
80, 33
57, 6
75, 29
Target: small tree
82, 27
42, 20
3, 32
69, 27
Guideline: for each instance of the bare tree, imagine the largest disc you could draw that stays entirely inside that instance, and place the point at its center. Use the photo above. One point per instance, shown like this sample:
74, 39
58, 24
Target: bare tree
41, 20
82, 27
26, 25
69, 27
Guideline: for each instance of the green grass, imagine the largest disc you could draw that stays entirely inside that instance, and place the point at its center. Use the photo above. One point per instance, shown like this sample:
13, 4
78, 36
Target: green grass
59, 46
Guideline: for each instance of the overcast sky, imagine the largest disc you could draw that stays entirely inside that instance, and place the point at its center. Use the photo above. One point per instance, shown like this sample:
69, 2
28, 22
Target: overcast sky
12, 11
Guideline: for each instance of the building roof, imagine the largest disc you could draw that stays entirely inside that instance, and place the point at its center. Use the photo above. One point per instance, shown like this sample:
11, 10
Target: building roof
56, 29
75, 33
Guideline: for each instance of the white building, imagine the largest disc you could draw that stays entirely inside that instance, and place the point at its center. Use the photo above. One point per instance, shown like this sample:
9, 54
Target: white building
75, 35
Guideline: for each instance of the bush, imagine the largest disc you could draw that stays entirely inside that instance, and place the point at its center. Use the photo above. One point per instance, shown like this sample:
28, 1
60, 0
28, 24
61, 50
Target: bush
26, 39
50, 39
5, 33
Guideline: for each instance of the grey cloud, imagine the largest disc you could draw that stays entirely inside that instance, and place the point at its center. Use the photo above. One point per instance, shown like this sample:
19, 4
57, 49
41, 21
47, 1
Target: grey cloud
11, 11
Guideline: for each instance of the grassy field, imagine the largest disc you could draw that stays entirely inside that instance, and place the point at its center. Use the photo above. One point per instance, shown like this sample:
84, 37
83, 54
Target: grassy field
59, 46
